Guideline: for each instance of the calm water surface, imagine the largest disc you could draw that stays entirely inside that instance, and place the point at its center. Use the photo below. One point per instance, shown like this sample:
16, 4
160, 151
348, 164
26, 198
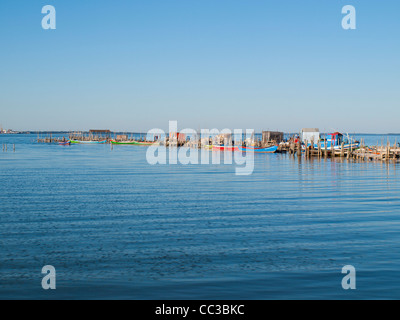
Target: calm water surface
116, 227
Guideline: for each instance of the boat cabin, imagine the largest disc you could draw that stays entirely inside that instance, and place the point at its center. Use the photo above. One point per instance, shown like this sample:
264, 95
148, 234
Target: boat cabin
335, 141
336, 138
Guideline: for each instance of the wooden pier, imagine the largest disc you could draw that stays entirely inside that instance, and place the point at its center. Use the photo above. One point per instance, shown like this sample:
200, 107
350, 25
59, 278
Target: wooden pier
363, 153
294, 147
52, 140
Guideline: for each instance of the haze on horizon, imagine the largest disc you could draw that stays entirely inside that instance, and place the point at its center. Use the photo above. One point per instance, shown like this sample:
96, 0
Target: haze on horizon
135, 65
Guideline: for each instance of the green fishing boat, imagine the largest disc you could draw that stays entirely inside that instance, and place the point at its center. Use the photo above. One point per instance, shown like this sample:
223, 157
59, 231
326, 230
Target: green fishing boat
133, 142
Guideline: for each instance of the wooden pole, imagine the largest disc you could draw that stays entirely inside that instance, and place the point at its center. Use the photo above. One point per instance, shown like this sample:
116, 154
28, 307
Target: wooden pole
319, 148
307, 150
299, 148
388, 151
342, 151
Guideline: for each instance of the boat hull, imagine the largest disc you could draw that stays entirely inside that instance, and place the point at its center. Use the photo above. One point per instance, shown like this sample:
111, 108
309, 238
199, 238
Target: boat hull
225, 148
88, 142
272, 149
137, 143
346, 146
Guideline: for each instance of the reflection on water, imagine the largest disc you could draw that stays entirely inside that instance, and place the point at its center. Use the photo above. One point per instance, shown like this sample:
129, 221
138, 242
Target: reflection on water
116, 227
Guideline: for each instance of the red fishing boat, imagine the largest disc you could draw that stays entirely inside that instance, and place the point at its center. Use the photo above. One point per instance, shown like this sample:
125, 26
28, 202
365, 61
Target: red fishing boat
226, 148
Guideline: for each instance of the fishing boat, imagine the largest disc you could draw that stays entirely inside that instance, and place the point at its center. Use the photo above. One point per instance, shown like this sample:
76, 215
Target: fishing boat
134, 142
64, 143
271, 149
88, 142
335, 141
225, 148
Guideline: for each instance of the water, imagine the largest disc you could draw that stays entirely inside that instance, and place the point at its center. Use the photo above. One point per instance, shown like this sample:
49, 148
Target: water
115, 227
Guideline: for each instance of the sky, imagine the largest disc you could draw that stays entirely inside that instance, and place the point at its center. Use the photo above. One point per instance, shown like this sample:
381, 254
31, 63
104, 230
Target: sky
239, 64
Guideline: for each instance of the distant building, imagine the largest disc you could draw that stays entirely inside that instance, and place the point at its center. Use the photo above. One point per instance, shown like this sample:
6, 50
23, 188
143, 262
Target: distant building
223, 139
176, 136
100, 133
310, 134
122, 137
272, 136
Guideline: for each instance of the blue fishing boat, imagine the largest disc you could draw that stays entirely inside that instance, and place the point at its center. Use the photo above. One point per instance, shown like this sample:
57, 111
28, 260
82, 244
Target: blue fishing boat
271, 149
335, 141
64, 143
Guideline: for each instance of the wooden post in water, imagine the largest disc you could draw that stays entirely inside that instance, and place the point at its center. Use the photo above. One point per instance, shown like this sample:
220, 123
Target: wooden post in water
312, 148
307, 150
299, 148
342, 150
388, 151
326, 148
13, 147
350, 150
351, 147
319, 148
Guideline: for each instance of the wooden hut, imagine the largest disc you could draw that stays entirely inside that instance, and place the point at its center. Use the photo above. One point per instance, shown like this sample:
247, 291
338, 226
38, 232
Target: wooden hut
272, 136
310, 134
100, 134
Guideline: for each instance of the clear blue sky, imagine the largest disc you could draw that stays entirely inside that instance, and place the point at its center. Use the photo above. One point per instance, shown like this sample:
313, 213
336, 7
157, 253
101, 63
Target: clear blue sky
134, 65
